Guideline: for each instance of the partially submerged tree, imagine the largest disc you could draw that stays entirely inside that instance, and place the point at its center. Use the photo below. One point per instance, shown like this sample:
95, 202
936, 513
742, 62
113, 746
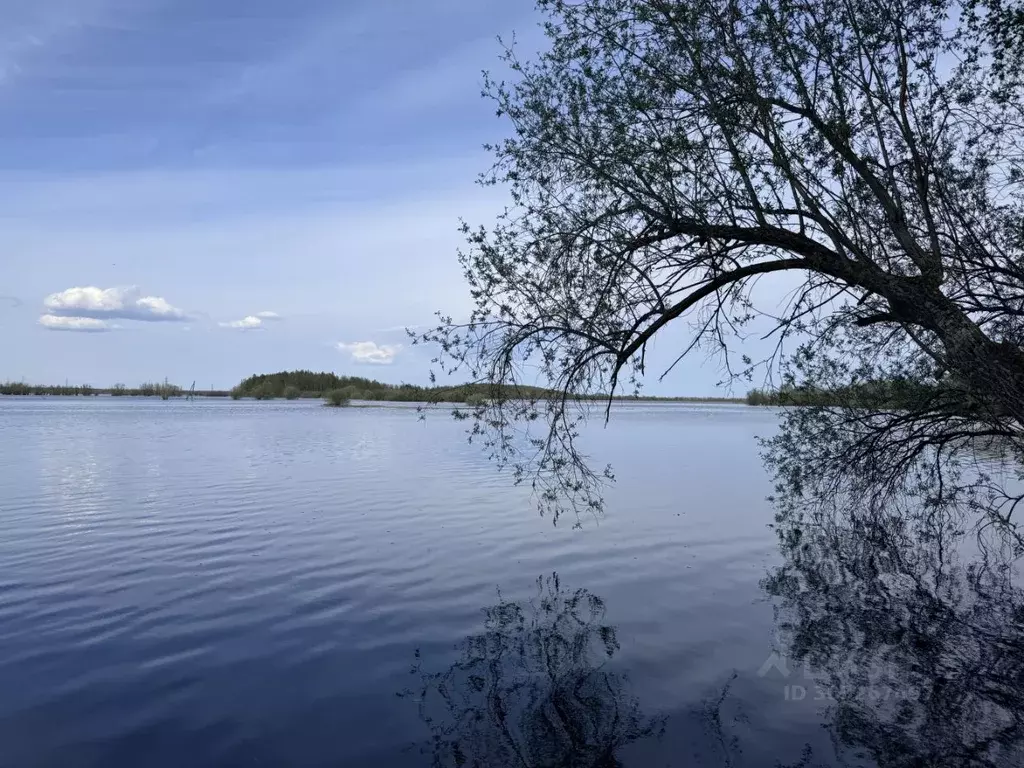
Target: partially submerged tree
668, 154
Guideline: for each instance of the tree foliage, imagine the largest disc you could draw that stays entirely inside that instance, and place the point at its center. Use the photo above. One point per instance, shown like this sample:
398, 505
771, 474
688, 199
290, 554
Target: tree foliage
665, 156
337, 398
310, 384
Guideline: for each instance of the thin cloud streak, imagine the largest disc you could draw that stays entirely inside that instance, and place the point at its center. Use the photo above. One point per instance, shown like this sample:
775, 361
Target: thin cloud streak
248, 323
77, 324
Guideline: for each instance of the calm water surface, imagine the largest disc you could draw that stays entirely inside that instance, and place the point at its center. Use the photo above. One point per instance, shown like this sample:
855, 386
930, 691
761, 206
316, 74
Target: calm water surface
220, 583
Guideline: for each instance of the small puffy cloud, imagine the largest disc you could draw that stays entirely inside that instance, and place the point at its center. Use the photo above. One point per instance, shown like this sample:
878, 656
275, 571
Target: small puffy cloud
105, 303
155, 308
80, 324
250, 323
370, 352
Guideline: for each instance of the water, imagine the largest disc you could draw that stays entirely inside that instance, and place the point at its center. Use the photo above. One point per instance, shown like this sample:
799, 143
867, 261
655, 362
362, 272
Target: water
219, 583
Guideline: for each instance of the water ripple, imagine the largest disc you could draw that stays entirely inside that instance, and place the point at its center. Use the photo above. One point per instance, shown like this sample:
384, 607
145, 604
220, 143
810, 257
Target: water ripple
211, 583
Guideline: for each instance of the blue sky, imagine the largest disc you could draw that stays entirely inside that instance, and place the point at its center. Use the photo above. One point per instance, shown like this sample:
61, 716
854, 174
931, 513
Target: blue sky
287, 176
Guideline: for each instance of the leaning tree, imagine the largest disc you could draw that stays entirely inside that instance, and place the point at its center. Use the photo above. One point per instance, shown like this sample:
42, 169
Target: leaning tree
665, 155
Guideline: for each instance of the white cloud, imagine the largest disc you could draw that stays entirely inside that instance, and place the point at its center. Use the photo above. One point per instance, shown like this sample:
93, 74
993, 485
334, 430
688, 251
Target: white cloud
249, 323
370, 352
252, 322
103, 303
80, 324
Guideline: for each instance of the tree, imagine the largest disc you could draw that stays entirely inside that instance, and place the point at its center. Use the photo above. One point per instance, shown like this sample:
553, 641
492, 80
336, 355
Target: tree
667, 155
337, 398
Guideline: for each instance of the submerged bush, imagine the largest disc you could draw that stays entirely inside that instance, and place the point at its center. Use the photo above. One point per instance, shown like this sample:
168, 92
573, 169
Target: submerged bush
337, 398
352, 392
164, 391
264, 392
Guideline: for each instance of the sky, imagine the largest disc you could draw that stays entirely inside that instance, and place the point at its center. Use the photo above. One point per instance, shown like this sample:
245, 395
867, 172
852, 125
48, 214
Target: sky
200, 190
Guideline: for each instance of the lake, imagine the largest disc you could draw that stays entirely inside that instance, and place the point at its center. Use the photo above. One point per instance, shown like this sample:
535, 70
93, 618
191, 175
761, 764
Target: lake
278, 583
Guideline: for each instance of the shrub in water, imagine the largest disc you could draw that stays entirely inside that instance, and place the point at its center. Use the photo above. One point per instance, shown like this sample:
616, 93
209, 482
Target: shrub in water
337, 398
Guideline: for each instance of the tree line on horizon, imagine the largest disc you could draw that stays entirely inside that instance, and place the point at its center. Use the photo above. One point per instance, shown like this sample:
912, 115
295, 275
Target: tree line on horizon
164, 390
292, 385
949, 395
304, 384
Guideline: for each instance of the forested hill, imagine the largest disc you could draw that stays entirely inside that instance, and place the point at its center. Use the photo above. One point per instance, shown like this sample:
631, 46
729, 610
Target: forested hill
296, 384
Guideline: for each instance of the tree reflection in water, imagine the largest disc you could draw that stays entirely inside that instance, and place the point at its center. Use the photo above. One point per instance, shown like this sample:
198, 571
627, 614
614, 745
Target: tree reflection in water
914, 631
533, 689
910, 628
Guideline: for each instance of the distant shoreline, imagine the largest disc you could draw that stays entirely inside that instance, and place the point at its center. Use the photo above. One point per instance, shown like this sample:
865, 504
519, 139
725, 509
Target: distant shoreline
293, 385
163, 390
224, 395
167, 391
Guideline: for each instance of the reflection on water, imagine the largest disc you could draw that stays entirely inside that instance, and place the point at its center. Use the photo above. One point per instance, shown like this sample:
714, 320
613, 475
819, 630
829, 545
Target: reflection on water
910, 631
221, 584
533, 689
910, 647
